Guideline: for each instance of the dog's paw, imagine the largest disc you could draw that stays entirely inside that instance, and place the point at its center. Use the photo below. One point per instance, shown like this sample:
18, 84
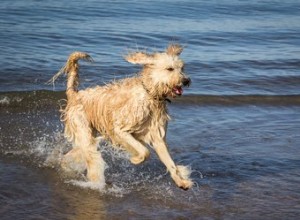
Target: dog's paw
182, 177
137, 159
186, 184
140, 158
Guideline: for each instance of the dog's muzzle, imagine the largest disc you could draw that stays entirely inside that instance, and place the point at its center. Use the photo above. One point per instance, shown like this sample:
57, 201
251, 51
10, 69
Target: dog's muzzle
177, 90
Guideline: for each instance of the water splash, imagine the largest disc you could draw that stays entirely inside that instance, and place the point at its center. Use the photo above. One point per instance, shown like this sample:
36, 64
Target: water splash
149, 179
5, 100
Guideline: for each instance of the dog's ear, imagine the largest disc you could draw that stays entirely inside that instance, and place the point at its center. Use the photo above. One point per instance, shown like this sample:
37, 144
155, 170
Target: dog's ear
139, 58
174, 49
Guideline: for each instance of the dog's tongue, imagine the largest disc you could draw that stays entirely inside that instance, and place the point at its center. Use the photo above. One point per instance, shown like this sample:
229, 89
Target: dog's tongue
178, 90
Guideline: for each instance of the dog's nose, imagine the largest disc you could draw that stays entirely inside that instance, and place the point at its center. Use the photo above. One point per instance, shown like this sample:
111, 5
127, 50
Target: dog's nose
186, 81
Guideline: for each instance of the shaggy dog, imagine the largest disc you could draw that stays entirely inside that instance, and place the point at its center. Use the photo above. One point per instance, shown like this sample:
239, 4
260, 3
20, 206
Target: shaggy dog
131, 113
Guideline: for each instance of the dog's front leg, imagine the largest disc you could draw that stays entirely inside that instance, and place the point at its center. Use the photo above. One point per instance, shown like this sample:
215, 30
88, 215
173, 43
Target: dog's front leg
180, 174
140, 152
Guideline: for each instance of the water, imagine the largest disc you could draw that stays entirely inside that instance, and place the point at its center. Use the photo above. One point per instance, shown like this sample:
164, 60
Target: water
237, 126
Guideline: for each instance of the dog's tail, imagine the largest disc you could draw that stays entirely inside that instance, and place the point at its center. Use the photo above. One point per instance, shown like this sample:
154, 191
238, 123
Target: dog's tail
71, 68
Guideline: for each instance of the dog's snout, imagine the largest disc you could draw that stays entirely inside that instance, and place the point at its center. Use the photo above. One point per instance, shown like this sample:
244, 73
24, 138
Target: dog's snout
186, 81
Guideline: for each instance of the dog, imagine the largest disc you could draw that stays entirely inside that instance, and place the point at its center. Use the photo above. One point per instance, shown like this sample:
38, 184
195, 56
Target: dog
130, 113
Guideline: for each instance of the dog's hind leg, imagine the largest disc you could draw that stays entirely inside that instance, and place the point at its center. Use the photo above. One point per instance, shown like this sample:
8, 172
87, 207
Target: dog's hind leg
85, 144
74, 161
95, 164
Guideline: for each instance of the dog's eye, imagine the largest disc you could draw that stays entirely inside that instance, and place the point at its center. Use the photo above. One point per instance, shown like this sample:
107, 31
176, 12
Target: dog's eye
170, 69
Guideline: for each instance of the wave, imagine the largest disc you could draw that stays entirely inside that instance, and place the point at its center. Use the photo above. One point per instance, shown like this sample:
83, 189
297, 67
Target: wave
231, 100
31, 99
46, 99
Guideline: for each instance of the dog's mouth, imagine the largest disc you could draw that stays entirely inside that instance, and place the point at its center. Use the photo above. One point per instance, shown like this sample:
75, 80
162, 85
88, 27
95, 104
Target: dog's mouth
177, 91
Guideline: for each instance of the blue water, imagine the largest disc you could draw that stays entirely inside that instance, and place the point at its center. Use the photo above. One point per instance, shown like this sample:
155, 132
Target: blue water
230, 46
237, 125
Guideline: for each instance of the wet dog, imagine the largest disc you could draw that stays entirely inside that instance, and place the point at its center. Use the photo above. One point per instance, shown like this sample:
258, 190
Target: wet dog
131, 113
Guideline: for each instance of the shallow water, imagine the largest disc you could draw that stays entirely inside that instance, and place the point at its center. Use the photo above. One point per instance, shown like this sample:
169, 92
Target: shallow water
237, 126
245, 162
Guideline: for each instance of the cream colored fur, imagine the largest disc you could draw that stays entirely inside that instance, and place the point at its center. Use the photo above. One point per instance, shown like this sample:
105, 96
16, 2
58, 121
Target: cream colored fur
131, 113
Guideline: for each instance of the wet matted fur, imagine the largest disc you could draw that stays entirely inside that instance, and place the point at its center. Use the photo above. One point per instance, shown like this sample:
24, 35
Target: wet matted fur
131, 113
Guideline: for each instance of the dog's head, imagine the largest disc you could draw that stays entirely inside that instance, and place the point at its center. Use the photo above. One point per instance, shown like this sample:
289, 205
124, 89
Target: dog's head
163, 72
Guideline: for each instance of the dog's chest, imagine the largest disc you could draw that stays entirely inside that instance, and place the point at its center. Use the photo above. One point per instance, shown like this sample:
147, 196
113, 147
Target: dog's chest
153, 116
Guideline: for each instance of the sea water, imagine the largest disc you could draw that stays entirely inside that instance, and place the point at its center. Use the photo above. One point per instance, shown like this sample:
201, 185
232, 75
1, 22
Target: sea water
237, 126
